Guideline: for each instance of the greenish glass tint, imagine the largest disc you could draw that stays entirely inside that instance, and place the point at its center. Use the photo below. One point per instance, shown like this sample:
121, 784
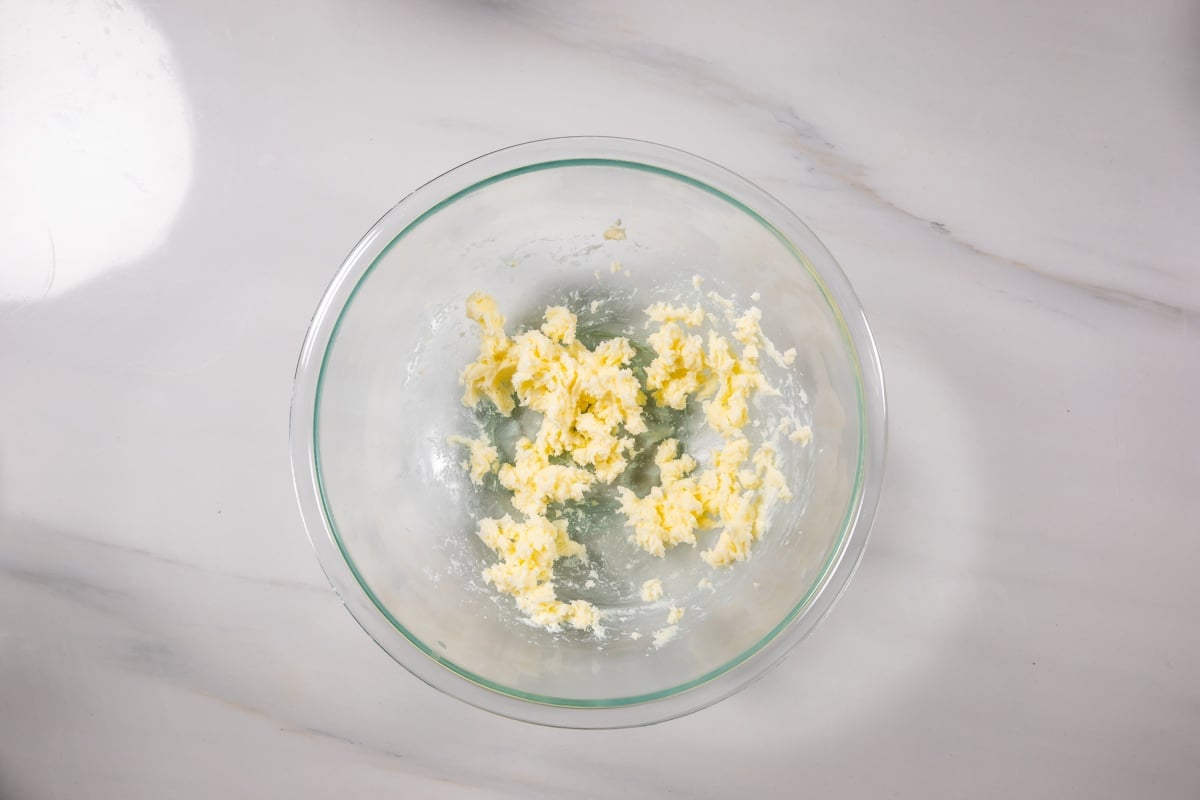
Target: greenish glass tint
870, 433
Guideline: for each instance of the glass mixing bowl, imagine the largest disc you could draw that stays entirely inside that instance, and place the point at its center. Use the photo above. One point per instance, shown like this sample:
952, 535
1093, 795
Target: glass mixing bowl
391, 513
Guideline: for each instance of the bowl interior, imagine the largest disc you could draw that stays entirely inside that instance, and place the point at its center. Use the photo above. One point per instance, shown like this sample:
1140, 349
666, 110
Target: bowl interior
402, 511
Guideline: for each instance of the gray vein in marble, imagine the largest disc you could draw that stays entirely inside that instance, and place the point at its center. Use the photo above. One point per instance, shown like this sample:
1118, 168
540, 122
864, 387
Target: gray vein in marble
343, 739
137, 551
458, 775
455, 774
1108, 294
151, 656
679, 69
68, 587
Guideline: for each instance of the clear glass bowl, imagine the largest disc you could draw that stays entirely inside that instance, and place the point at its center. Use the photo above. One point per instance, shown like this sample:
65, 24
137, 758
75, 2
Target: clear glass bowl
391, 514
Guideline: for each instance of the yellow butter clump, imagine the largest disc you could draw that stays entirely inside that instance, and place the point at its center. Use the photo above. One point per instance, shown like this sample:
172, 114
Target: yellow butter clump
586, 397
734, 495
652, 590
671, 512
738, 497
724, 379
591, 408
735, 380
535, 482
591, 403
739, 489
482, 459
679, 368
665, 312
489, 375
528, 551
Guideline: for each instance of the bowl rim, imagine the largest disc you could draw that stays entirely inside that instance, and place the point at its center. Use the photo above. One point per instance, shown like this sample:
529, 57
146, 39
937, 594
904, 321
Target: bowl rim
443, 674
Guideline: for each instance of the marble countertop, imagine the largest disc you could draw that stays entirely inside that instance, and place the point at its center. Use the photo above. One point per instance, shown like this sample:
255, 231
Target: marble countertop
1013, 189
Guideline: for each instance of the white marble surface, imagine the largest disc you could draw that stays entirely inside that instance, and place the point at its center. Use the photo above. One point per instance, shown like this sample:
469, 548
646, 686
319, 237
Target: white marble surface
1012, 187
